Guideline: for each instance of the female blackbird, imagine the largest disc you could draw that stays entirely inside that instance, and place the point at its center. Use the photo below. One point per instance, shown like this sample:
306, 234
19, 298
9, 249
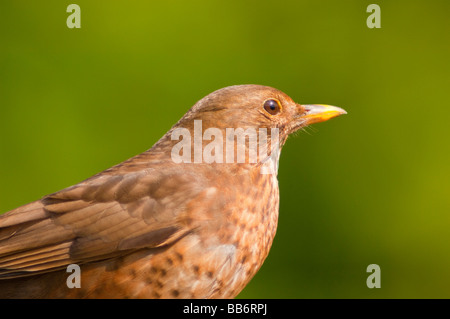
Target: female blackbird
192, 217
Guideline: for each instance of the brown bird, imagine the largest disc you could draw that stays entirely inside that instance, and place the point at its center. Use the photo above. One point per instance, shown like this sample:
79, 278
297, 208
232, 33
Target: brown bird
192, 217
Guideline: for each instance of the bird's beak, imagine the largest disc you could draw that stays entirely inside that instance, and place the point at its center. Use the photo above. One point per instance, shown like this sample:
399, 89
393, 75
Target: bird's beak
316, 113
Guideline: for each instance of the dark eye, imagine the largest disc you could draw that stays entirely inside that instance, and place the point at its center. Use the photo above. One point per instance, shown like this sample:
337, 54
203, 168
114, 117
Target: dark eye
272, 107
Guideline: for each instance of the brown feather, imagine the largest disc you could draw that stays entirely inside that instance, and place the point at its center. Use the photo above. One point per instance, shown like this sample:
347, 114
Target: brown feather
152, 228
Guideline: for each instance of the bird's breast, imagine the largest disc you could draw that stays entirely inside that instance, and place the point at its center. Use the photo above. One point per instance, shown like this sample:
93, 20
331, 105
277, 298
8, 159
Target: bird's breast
248, 223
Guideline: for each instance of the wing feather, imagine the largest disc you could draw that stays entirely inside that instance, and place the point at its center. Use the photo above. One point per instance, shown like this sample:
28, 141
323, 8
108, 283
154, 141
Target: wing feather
102, 217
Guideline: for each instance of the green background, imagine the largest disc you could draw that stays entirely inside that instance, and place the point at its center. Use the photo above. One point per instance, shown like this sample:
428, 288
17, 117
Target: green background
369, 187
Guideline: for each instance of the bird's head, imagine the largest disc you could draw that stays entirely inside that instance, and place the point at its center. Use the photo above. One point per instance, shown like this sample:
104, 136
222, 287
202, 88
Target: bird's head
246, 109
257, 106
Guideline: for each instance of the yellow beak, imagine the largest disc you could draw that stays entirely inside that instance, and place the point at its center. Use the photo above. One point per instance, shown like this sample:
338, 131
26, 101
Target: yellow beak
316, 113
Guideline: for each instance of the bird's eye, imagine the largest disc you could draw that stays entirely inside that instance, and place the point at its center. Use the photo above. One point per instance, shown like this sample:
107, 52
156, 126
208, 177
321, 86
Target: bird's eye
272, 107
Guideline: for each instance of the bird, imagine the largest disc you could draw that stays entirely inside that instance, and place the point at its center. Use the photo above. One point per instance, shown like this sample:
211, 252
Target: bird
192, 217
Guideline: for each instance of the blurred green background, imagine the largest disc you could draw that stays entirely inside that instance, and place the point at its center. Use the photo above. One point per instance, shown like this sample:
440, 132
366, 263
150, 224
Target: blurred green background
369, 187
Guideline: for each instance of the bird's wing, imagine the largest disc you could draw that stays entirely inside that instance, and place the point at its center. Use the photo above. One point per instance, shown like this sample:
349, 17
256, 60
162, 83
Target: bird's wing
105, 216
